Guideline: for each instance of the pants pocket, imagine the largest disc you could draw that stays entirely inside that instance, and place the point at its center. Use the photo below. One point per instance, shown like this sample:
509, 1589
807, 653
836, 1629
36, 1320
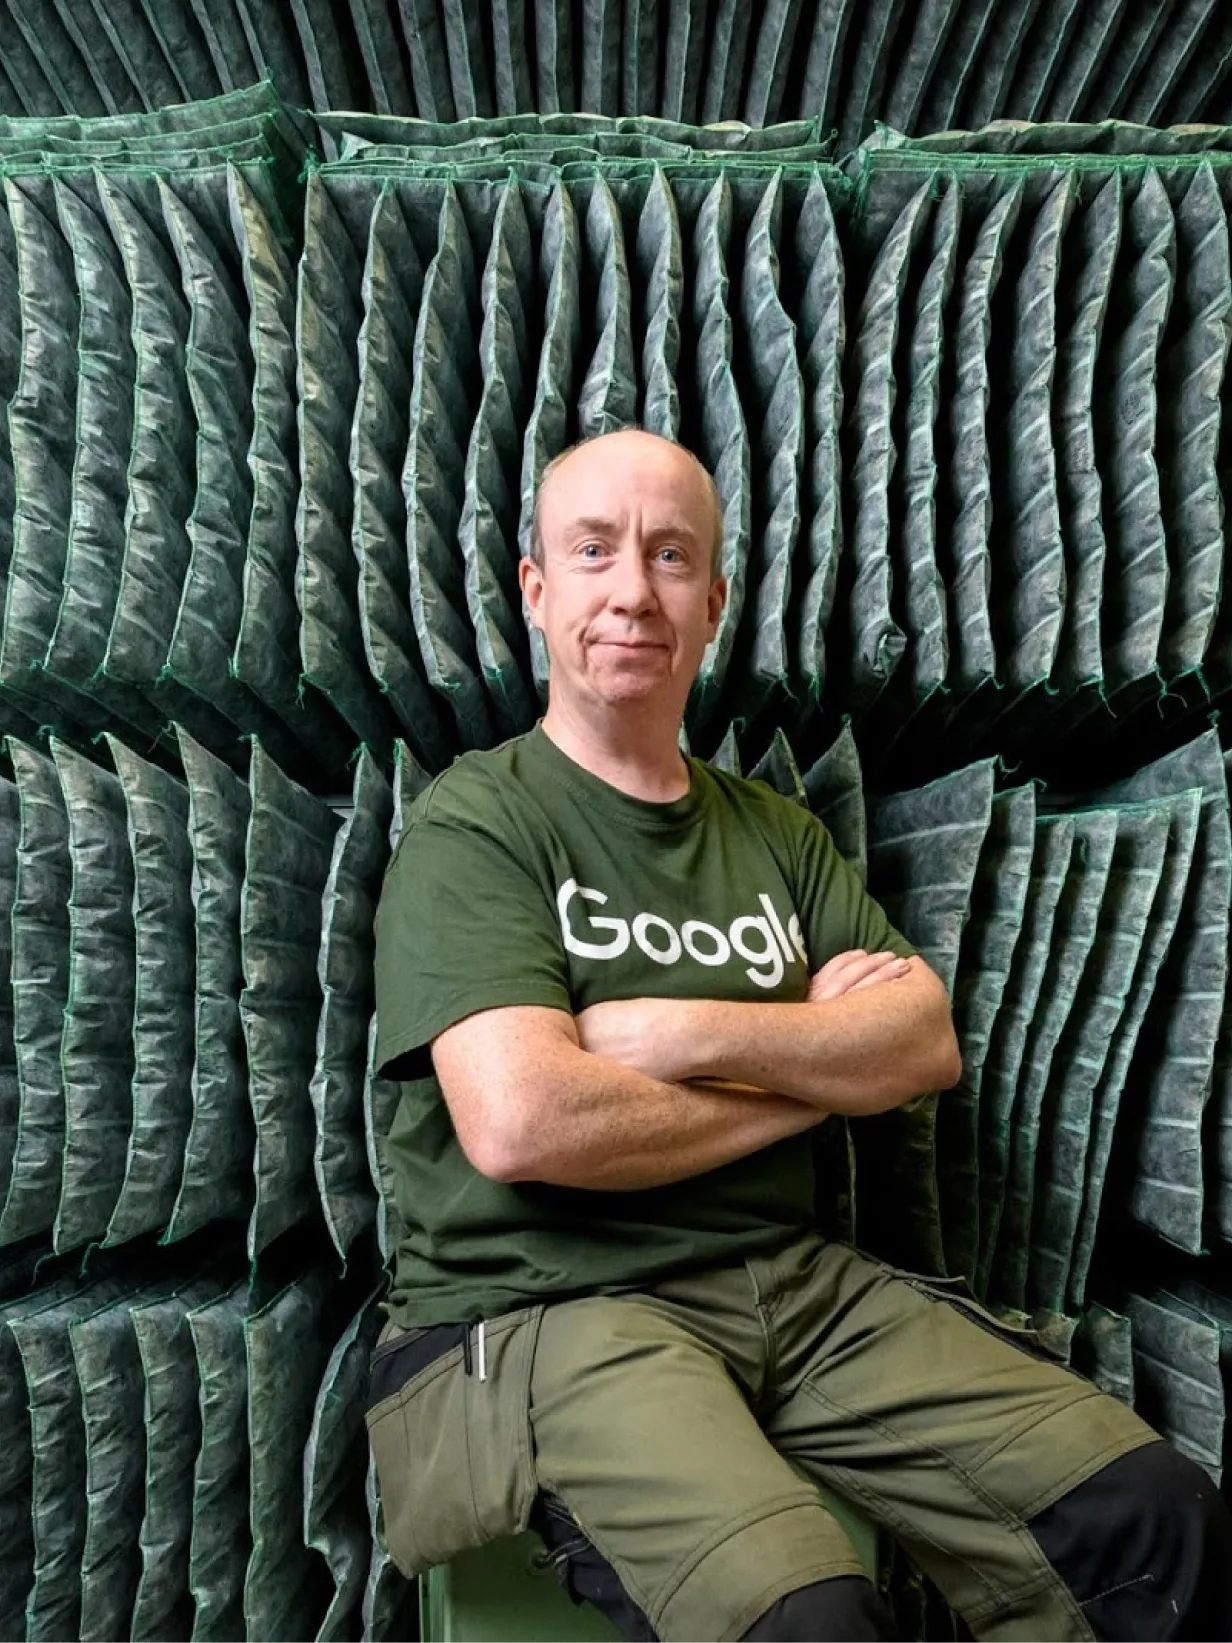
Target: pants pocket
957, 1293
453, 1449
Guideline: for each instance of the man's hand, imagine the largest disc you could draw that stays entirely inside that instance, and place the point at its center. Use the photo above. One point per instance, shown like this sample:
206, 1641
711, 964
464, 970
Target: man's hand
638, 1032
848, 972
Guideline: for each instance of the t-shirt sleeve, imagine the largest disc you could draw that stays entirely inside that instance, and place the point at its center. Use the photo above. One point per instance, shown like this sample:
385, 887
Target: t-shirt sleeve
837, 914
461, 926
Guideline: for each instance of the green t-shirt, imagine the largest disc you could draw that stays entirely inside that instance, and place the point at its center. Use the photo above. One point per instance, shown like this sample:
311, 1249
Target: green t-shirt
520, 878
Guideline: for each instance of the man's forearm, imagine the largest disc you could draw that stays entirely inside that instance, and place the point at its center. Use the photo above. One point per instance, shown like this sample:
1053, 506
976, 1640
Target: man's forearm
611, 1129
863, 1052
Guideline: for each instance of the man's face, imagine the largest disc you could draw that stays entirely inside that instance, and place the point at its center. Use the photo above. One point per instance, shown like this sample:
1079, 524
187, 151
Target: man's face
625, 597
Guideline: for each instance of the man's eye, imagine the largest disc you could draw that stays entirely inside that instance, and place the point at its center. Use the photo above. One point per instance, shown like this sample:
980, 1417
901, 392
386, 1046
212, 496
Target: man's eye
673, 556
591, 550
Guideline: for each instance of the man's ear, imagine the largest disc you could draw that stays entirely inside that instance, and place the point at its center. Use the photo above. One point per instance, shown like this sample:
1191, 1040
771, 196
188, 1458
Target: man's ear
715, 600
530, 580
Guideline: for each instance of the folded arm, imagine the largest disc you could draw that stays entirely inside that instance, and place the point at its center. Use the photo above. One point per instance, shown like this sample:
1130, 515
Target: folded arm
530, 1104
856, 1049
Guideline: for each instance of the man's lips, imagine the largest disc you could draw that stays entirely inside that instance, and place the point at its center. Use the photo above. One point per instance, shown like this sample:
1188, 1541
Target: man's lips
630, 644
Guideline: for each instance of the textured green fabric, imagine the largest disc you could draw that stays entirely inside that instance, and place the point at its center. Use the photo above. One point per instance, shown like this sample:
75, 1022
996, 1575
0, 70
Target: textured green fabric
96, 1050
80, 67
226, 43
487, 530
327, 66
1181, 1354
1043, 54
271, 39
1088, 48
1082, 303
774, 399
601, 37
926, 661
1161, 65
286, 865
425, 38
820, 337
1079, 913
380, 44
328, 318
834, 792
57, 1445
1136, 575
433, 477
511, 76
185, 50
156, 810
919, 63
924, 850
1106, 1100
218, 367
161, 468
771, 59
731, 32
128, 31
866, 66
41, 426
220, 1541
29, 82
966, 563
947, 89
1169, 1082
1191, 377
724, 439
659, 287
344, 969
1102, 1352
40, 991
106, 367
468, 60
16, 1463
267, 656
1054, 844
286, 1347
777, 767
1028, 570
640, 57
991, 81
218, 1151
392, 283
876, 640
162, 1605
110, 1385
985, 959
10, 1095
1132, 48
381, 1098
335, 1472
607, 398
1099, 1004
389, 1598
548, 431
727, 755
684, 51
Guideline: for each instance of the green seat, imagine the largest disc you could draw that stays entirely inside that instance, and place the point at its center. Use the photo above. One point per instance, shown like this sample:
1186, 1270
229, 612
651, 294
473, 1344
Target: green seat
500, 1592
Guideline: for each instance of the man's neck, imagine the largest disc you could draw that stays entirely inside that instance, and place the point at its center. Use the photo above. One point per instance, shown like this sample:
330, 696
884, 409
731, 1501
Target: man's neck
637, 753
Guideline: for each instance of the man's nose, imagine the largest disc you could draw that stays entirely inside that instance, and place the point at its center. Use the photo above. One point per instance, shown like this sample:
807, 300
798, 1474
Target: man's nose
632, 587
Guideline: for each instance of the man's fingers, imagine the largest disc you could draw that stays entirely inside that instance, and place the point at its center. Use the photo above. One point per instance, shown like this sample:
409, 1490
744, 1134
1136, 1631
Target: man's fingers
888, 972
846, 971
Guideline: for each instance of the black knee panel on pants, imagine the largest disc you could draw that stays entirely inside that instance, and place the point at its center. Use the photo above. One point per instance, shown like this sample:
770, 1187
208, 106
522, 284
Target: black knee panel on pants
846, 1607
1146, 1548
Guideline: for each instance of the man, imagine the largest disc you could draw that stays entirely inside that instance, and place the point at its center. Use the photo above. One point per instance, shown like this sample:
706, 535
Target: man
621, 988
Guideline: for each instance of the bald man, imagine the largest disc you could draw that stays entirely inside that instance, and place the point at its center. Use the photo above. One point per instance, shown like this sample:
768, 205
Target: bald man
620, 989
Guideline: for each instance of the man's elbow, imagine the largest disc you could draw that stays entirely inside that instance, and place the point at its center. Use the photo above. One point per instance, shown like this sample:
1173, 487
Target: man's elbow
504, 1144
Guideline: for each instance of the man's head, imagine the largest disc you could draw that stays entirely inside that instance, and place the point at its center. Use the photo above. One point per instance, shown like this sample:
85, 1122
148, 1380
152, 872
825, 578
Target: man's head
623, 578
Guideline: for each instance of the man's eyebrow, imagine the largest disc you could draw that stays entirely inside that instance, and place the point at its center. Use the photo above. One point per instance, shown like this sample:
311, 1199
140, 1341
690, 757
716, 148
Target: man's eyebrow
593, 522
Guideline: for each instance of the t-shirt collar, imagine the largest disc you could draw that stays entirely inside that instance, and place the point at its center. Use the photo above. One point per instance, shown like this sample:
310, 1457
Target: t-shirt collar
621, 808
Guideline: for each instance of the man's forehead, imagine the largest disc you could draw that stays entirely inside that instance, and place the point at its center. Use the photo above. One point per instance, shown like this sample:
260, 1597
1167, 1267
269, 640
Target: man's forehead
612, 480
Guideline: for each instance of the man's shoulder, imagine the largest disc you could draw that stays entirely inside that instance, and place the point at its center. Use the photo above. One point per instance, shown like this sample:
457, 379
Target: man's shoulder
473, 784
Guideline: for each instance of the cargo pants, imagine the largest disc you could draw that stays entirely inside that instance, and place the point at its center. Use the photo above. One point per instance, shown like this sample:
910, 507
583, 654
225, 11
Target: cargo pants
678, 1431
